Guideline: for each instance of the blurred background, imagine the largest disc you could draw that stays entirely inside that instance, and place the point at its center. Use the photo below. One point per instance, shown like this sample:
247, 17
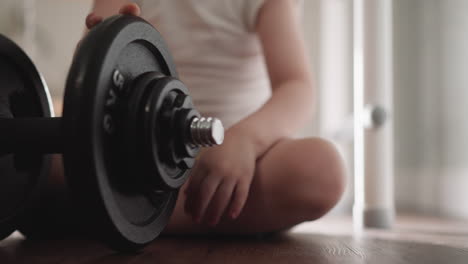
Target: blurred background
430, 79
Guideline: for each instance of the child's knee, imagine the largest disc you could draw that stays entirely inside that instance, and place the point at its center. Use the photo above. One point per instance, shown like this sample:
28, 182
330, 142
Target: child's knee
320, 178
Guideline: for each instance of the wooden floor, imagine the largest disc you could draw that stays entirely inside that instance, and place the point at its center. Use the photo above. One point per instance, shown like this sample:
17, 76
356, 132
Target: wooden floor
330, 240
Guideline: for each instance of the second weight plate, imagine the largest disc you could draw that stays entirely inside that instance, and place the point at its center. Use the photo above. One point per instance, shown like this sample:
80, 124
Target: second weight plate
23, 94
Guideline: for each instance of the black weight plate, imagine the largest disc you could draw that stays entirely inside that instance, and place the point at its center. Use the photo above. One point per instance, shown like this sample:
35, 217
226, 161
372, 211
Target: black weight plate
95, 164
23, 93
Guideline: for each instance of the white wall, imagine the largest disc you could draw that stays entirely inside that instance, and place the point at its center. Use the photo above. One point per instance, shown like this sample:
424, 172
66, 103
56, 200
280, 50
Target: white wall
311, 29
58, 25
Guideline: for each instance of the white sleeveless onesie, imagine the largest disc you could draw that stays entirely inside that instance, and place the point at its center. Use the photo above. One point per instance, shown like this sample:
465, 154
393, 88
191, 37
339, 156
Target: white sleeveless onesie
217, 53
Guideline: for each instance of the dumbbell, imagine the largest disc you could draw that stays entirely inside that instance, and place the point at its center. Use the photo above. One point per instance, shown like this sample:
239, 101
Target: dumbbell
129, 134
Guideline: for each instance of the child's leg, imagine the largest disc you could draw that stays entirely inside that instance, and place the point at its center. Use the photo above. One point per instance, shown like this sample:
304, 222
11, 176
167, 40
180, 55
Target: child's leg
295, 181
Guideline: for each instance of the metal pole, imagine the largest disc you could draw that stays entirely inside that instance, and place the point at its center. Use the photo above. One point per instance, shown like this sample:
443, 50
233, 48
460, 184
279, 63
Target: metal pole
373, 103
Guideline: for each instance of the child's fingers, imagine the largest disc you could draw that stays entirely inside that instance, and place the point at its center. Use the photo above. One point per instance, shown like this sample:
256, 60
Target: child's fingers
193, 185
88, 20
130, 9
92, 20
241, 193
195, 178
219, 202
204, 195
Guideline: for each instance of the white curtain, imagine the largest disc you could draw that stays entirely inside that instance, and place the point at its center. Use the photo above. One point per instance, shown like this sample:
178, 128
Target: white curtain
328, 28
431, 97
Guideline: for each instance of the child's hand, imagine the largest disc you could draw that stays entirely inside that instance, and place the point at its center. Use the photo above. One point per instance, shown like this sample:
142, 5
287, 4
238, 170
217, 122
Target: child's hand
93, 19
221, 179
129, 9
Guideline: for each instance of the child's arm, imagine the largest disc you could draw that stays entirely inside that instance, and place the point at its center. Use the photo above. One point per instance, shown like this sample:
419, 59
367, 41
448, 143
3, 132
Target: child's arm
221, 178
291, 103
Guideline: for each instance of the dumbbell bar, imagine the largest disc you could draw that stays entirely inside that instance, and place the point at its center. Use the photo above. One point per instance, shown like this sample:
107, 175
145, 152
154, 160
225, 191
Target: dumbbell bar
43, 135
31, 135
129, 135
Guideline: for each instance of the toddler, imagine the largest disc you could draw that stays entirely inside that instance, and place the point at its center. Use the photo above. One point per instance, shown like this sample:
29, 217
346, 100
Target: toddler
245, 63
